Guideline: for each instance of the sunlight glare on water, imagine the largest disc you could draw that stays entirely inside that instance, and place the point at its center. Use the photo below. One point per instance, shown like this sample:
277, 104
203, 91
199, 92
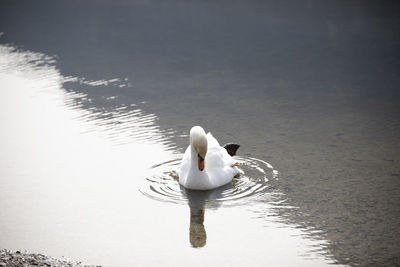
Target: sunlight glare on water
80, 183
62, 179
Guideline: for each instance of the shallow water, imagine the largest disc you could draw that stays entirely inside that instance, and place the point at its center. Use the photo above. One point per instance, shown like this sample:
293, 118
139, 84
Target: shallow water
98, 99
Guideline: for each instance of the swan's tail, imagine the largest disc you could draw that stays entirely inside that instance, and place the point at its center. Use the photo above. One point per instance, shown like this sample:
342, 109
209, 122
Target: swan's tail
231, 148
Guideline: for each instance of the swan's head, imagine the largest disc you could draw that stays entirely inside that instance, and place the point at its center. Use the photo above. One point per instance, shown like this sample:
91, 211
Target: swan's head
198, 140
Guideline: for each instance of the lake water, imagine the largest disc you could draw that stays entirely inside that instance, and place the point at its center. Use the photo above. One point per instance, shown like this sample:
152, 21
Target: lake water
98, 98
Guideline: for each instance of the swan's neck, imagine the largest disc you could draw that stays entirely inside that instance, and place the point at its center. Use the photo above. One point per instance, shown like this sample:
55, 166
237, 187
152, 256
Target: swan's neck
193, 157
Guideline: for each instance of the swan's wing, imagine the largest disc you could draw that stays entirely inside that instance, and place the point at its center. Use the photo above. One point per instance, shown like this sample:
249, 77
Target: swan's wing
212, 142
219, 162
217, 156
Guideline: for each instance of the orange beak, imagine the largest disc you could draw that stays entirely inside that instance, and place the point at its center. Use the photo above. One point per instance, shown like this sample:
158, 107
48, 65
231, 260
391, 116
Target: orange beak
200, 162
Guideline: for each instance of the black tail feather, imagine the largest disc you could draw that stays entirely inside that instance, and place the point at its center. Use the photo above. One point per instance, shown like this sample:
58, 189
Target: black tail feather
231, 148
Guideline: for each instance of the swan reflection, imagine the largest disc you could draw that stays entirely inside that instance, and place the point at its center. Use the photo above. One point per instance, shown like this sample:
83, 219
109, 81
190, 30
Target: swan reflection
197, 232
198, 201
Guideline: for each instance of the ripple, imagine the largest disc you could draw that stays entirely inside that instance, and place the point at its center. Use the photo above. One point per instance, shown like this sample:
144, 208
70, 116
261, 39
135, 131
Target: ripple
257, 178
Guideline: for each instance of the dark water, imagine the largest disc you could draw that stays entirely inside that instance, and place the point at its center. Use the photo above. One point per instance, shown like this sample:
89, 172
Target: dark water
309, 87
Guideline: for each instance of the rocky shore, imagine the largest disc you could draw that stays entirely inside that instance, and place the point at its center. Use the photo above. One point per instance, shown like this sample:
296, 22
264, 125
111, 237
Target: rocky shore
17, 259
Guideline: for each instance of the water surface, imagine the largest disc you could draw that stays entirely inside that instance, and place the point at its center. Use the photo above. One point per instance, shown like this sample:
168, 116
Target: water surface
98, 99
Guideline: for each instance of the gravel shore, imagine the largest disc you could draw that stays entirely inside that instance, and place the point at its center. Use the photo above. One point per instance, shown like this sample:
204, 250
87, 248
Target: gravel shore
17, 259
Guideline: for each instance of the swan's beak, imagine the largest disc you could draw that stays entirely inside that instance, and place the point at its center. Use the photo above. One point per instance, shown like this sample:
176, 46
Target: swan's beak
200, 162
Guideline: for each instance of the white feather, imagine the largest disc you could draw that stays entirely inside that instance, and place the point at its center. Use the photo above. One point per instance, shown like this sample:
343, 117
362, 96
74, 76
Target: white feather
218, 168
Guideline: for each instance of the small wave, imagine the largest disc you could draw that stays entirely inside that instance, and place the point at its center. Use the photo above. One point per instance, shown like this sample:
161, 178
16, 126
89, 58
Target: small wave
257, 178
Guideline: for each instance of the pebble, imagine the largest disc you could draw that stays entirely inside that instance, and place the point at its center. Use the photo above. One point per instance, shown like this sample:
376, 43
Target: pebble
15, 259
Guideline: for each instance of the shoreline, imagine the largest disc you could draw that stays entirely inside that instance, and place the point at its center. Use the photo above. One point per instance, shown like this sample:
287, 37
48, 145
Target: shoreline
19, 258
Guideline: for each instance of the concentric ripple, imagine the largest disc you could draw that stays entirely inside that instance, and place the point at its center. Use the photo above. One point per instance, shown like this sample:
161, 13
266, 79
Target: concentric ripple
257, 178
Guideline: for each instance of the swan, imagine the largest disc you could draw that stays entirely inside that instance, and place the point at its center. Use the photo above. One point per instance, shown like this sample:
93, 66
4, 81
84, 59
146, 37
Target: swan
206, 165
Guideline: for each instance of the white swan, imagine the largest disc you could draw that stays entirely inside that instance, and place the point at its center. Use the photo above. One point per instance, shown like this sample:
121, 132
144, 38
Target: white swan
206, 165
